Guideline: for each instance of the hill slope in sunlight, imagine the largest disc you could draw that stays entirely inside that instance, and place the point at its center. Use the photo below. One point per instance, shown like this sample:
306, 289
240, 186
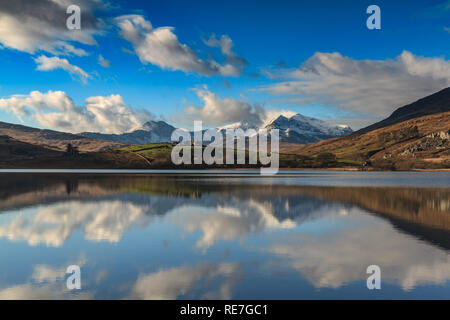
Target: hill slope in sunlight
438, 102
416, 143
54, 139
19, 154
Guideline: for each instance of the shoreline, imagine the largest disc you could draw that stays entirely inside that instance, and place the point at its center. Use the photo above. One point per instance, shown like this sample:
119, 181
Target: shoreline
343, 169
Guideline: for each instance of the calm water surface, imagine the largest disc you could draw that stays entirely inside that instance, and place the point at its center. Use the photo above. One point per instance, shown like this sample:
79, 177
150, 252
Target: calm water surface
224, 235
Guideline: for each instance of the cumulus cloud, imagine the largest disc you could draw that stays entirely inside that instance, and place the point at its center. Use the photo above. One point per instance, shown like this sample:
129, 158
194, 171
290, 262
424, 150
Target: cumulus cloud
372, 86
218, 111
30, 26
56, 110
161, 47
51, 63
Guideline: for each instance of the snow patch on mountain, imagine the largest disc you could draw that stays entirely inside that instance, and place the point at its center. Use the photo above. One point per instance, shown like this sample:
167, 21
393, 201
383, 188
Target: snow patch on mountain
296, 129
302, 129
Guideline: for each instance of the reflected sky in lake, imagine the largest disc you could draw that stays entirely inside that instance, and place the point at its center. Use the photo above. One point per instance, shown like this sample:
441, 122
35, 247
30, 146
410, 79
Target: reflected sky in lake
217, 236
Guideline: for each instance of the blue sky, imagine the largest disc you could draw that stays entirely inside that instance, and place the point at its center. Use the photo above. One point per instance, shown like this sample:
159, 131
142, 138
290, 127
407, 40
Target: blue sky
317, 58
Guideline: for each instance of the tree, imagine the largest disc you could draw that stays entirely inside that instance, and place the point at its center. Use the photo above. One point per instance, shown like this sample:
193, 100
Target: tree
71, 150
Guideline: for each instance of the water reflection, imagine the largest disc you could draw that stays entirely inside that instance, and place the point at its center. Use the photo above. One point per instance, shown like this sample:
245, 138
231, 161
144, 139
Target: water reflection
171, 283
46, 282
168, 237
103, 220
336, 259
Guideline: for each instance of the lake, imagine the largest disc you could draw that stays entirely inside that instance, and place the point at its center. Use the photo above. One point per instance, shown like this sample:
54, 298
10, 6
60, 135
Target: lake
224, 234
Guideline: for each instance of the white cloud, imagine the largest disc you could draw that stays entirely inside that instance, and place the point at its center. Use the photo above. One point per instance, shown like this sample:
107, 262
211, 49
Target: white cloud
51, 63
66, 49
56, 110
226, 47
217, 111
30, 26
161, 47
372, 86
103, 62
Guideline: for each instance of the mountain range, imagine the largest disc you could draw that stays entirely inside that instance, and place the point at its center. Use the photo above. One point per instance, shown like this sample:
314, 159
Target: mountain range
416, 136
295, 129
150, 132
54, 139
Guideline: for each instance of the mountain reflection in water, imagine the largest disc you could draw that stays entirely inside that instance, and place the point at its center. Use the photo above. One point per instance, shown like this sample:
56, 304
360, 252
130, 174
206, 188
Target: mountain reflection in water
173, 237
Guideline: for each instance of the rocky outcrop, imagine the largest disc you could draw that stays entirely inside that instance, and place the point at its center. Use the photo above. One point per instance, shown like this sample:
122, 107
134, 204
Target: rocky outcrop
435, 141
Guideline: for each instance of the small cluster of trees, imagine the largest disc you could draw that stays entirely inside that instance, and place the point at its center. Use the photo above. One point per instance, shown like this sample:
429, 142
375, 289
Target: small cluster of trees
325, 160
71, 150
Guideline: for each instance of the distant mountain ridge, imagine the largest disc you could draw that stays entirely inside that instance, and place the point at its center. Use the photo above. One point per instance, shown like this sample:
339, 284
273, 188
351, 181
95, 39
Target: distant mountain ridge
150, 132
18, 154
297, 128
438, 102
294, 129
54, 139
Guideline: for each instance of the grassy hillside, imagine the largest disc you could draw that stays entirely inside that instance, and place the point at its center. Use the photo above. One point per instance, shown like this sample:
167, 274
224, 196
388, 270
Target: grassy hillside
438, 102
19, 154
417, 143
54, 139
159, 156
420, 143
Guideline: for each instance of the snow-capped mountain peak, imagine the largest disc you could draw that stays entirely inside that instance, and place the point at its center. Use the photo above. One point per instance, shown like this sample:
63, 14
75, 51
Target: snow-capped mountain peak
302, 129
238, 125
157, 125
296, 129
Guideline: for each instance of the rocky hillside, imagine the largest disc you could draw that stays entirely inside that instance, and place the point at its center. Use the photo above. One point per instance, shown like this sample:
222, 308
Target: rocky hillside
417, 143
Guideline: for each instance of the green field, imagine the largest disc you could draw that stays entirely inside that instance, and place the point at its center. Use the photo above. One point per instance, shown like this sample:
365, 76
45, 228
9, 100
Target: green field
158, 155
